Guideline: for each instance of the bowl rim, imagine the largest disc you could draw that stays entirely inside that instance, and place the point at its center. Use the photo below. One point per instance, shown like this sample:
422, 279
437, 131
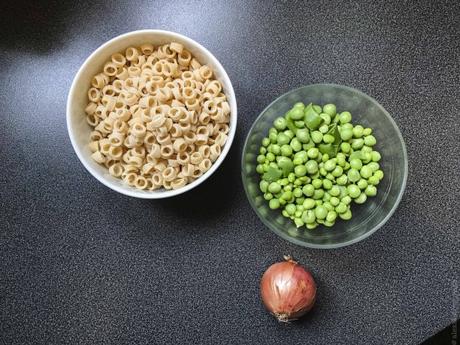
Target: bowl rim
129, 191
354, 240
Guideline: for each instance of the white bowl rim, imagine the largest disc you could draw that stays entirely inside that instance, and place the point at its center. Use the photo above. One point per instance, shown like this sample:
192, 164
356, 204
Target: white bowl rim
129, 191
366, 234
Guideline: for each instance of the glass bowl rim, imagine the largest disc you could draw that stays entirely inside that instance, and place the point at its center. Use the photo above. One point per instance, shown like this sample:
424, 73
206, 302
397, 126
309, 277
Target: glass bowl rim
367, 233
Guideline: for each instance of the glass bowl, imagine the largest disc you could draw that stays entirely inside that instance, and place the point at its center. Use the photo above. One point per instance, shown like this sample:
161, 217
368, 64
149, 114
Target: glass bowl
368, 217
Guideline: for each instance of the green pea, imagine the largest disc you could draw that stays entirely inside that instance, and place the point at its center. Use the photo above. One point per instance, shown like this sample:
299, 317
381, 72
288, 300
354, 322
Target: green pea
273, 165
326, 118
298, 213
317, 183
282, 139
353, 175
323, 129
345, 147
361, 199
374, 166
379, 174
331, 216
370, 140
358, 131
270, 157
297, 182
299, 105
261, 159
370, 190
309, 203
297, 192
346, 134
313, 153
356, 164
343, 192
375, 156
285, 214
302, 155
308, 190
330, 165
330, 109
298, 222
299, 202
287, 195
299, 124
296, 144
296, 113
289, 133
373, 180
300, 170
330, 177
334, 201
316, 137
283, 182
273, 137
326, 196
362, 184
327, 205
322, 171
335, 190
319, 202
365, 157
341, 160
353, 190
346, 126
318, 194
303, 135
308, 145
366, 171
320, 212
311, 166
276, 149
338, 170
317, 108
341, 208
274, 204
327, 184
346, 200
268, 196
328, 138
342, 180
309, 217
345, 117
357, 144
367, 131
305, 179
280, 123
263, 185
265, 142
274, 187
366, 149
346, 215
260, 169
286, 150
263, 150
290, 209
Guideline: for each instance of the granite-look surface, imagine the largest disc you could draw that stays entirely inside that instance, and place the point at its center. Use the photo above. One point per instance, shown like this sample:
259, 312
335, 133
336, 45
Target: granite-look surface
81, 264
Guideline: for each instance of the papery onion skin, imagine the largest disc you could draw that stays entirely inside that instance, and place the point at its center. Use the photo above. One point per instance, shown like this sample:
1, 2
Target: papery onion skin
288, 291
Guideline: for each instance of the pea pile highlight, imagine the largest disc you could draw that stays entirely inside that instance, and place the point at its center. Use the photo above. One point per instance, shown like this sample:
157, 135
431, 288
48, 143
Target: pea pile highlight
315, 162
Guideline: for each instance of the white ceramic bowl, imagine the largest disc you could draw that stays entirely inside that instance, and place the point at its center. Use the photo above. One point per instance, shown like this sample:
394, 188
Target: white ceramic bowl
79, 130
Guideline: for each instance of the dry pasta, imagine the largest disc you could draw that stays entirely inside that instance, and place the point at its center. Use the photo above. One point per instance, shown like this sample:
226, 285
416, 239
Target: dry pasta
159, 117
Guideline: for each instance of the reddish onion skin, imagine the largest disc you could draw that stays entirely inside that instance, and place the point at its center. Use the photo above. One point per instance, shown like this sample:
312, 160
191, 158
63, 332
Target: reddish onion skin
288, 290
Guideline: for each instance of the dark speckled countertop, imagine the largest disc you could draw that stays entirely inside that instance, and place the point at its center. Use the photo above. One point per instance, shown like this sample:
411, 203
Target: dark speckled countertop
81, 264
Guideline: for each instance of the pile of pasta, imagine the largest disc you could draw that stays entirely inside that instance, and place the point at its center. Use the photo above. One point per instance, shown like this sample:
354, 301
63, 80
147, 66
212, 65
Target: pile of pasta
159, 117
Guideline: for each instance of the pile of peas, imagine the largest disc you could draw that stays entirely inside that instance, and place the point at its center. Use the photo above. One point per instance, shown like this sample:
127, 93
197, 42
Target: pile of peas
315, 162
